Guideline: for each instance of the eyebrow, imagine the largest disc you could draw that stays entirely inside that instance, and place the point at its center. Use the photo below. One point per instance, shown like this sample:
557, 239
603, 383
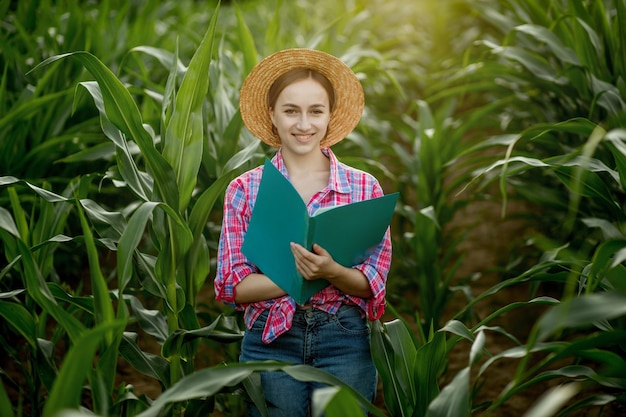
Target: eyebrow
296, 106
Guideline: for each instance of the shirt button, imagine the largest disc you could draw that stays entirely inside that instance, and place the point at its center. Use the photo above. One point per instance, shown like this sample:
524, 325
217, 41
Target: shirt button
309, 314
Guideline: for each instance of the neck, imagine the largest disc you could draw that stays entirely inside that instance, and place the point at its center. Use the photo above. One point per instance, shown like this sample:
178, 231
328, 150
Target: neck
298, 165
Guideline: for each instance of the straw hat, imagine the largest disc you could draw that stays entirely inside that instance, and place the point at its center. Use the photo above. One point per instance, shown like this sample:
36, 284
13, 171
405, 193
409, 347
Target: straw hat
349, 97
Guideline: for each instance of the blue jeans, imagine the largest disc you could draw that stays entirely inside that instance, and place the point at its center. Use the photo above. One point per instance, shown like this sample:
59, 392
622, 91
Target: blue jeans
338, 344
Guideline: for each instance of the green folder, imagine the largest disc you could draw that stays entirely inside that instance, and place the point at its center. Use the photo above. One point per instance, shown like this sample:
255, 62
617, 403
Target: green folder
348, 232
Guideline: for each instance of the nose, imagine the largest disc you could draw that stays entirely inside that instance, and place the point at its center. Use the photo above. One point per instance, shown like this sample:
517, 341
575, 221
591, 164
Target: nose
303, 122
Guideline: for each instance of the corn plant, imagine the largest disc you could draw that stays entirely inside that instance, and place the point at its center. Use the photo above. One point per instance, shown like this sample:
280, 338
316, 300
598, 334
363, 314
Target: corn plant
555, 78
164, 189
541, 86
562, 65
158, 240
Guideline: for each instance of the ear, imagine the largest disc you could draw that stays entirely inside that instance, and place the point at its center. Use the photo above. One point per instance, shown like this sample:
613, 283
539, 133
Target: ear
271, 114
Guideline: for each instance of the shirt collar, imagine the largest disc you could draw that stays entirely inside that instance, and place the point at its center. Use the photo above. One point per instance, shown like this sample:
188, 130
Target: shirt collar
338, 180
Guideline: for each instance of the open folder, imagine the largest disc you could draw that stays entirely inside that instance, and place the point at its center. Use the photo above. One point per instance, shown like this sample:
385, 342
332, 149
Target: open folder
348, 232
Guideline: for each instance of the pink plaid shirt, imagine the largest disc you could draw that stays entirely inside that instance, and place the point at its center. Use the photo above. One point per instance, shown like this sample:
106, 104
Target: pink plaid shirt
346, 185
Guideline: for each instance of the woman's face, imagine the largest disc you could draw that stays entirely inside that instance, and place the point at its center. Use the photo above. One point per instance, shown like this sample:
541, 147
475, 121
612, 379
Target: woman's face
301, 116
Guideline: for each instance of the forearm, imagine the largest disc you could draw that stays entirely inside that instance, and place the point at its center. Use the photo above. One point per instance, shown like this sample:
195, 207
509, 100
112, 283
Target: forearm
350, 280
256, 287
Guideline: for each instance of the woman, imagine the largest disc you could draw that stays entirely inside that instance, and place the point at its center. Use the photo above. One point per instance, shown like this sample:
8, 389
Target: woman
302, 102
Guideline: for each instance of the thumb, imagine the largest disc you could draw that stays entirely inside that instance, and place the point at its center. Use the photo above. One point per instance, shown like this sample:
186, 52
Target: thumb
318, 250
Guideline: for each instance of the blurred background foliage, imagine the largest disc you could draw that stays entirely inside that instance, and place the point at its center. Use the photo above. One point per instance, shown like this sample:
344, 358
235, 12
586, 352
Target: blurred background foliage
501, 122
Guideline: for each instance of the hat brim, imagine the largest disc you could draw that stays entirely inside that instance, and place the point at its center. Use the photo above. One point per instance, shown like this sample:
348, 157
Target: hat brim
349, 96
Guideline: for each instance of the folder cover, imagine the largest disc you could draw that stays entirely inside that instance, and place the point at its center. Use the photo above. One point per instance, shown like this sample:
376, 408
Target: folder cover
348, 232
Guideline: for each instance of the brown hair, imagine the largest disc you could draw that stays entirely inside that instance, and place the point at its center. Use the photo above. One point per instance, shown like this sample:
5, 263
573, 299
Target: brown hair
298, 74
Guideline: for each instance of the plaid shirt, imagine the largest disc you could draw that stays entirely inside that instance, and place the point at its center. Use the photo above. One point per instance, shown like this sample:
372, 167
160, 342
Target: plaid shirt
346, 185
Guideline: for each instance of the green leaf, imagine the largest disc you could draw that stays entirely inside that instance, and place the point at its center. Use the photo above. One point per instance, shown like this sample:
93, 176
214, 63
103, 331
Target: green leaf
458, 328
166, 58
68, 386
334, 402
477, 348
38, 290
103, 305
553, 400
308, 373
113, 219
151, 321
5, 403
616, 139
132, 235
227, 150
581, 311
147, 363
20, 319
254, 390
84, 303
7, 223
544, 35
246, 42
197, 222
223, 329
184, 135
534, 63
605, 258
593, 400
453, 401
405, 358
123, 112
387, 362
206, 383
139, 182
429, 366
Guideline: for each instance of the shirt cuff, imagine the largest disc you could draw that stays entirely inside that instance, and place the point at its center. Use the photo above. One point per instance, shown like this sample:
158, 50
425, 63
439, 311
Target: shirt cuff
229, 292
375, 306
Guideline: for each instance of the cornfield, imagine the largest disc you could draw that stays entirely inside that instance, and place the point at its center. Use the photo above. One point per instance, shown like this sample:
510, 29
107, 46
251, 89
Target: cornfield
502, 123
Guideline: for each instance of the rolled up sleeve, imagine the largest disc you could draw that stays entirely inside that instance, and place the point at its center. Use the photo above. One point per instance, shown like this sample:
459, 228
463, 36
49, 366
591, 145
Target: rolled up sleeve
375, 269
232, 265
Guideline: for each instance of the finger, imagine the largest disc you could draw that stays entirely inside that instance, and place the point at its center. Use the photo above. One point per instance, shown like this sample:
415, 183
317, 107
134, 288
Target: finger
318, 250
303, 270
297, 249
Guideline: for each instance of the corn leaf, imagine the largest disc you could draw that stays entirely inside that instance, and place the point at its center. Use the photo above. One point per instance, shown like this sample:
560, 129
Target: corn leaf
246, 42
223, 329
147, 363
67, 388
429, 365
308, 373
453, 401
139, 182
103, 305
388, 362
6, 408
151, 321
123, 112
581, 311
39, 291
20, 319
7, 223
197, 265
205, 383
184, 135
334, 402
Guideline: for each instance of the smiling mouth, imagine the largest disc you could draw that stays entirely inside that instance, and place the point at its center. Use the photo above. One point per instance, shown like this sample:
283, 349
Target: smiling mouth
303, 137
